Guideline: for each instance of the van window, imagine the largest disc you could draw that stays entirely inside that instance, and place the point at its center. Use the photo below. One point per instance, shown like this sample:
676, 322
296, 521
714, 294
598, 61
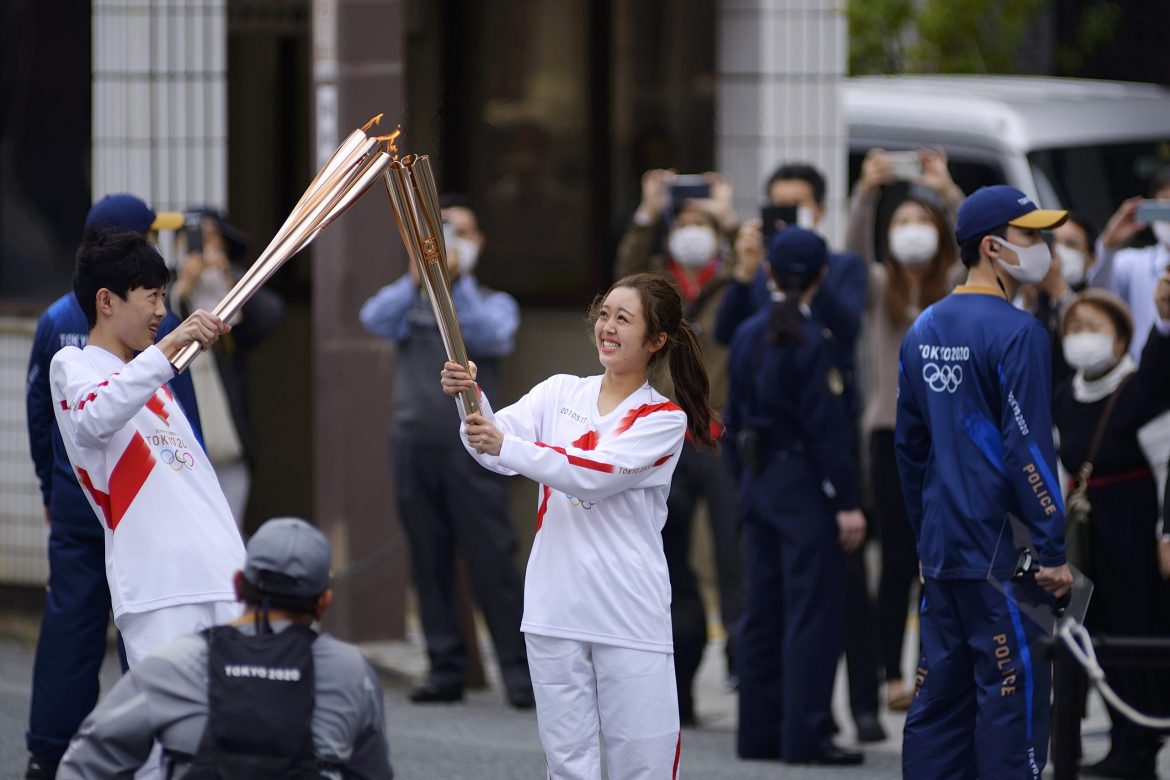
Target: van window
1093, 180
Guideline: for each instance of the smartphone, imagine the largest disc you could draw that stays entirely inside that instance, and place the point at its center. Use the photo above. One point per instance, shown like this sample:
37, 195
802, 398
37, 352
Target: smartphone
1153, 211
774, 218
193, 229
907, 165
687, 187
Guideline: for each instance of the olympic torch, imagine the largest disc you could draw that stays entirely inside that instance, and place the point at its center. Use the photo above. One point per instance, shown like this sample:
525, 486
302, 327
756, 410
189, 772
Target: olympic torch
414, 199
353, 168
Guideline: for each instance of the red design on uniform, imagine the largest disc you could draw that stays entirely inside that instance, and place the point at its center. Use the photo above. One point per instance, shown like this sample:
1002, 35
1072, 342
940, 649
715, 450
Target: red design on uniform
588, 441
155, 405
643, 411
127, 478
543, 506
167, 390
91, 397
677, 756
99, 498
663, 459
575, 460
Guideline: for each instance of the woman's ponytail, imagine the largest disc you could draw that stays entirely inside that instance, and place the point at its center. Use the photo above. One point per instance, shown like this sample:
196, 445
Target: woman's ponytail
691, 385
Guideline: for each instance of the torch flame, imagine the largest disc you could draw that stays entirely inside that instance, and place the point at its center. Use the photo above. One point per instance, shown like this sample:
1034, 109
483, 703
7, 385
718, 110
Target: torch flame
375, 121
389, 140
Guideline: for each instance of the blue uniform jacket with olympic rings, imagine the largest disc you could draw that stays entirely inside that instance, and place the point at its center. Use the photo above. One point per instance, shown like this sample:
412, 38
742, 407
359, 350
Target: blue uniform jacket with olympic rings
974, 435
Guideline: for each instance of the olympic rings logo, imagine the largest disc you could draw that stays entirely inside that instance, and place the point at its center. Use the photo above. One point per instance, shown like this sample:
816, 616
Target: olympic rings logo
944, 378
178, 459
581, 502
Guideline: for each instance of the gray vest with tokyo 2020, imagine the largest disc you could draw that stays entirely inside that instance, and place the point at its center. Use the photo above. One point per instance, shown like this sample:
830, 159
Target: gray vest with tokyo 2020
422, 412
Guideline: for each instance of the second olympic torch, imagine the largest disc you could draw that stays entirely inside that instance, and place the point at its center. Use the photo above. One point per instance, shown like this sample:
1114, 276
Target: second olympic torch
415, 202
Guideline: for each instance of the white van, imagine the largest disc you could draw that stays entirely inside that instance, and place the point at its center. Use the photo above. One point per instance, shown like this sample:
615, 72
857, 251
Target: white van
1071, 143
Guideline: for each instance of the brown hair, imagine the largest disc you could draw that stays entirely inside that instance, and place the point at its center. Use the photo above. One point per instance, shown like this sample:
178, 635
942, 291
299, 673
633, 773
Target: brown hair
662, 309
934, 281
1108, 304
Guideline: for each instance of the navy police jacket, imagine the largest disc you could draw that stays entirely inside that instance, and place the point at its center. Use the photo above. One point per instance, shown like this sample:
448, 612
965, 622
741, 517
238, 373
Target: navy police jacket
974, 435
793, 396
63, 325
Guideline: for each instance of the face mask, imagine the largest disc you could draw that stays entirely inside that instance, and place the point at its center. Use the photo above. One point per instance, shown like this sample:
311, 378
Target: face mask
1162, 233
467, 249
914, 245
1072, 264
806, 218
1034, 261
692, 246
1089, 353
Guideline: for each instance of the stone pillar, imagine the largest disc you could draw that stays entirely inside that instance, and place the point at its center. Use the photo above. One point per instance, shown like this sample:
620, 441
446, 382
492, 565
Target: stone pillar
359, 52
779, 70
160, 100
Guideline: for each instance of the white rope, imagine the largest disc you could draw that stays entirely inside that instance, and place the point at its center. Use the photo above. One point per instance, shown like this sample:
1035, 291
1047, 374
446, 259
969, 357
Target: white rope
1080, 644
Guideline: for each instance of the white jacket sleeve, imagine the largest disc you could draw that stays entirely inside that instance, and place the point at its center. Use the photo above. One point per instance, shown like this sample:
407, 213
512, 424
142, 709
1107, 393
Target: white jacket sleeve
99, 406
639, 456
522, 419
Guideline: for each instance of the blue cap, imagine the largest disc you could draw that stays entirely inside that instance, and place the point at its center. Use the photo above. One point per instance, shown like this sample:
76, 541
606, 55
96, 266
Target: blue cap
992, 207
795, 251
126, 212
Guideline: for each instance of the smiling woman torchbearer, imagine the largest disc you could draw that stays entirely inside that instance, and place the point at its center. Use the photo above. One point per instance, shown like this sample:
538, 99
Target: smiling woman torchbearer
597, 593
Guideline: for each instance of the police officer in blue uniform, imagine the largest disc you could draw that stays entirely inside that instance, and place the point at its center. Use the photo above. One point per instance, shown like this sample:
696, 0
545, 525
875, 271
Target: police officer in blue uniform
790, 440
974, 444
72, 641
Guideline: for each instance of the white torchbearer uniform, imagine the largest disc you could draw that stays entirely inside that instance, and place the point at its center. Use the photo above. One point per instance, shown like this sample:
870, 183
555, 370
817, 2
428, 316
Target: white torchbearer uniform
170, 538
597, 591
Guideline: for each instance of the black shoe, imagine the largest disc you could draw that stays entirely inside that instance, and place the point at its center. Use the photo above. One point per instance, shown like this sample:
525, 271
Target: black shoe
40, 769
869, 729
835, 756
522, 698
432, 692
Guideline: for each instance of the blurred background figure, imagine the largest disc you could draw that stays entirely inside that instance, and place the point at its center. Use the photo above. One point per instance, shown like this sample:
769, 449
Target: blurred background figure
446, 502
791, 442
1111, 520
915, 269
73, 626
799, 190
212, 251
693, 256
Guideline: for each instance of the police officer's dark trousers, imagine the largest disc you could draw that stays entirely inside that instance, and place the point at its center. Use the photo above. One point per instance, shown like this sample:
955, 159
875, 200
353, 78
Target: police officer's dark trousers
982, 709
447, 502
791, 635
72, 642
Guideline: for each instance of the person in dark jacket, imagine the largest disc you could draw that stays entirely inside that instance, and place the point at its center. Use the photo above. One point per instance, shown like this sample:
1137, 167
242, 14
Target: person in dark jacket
72, 641
790, 441
1130, 598
974, 444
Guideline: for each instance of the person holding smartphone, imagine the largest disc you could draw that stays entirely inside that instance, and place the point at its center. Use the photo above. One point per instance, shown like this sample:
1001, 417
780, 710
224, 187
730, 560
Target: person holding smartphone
1132, 273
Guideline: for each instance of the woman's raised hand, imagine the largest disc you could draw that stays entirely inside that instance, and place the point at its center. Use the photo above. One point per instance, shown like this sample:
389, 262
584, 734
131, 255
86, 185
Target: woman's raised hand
455, 378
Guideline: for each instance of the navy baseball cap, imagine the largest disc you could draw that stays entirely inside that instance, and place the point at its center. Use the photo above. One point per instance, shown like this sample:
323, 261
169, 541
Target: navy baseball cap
288, 557
991, 207
130, 213
796, 251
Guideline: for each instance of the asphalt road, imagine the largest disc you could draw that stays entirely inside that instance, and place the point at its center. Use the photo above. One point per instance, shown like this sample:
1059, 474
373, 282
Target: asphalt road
484, 739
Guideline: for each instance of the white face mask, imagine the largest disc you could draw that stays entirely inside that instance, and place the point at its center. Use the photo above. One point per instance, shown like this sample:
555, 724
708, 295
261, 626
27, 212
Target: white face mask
1089, 353
1162, 233
1034, 261
1072, 264
692, 246
466, 249
914, 245
806, 218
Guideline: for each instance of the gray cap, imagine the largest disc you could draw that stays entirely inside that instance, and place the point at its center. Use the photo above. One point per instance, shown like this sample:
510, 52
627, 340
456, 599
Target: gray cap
288, 557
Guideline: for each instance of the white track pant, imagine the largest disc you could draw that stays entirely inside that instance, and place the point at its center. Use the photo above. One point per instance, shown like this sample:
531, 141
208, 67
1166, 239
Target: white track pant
588, 692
